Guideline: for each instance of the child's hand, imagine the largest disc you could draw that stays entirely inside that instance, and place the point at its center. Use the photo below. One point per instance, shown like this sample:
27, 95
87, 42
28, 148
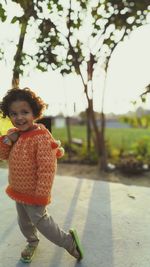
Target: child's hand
56, 144
7, 141
60, 152
13, 136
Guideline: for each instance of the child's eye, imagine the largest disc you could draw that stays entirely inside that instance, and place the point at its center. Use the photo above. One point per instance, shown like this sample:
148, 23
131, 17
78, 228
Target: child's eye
25, 112
12, 114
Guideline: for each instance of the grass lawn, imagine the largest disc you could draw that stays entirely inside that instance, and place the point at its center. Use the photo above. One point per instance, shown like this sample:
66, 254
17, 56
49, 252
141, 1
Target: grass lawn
117, 138
125, 137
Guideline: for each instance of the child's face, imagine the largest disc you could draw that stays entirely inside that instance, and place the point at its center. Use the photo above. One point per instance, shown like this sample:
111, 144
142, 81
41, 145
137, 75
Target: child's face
21, 115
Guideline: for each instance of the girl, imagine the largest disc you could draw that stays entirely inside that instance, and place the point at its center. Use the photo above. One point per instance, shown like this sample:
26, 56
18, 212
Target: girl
32, 154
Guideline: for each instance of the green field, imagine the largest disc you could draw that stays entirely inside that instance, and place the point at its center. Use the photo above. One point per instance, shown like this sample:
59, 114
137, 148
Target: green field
126, 137
116, 138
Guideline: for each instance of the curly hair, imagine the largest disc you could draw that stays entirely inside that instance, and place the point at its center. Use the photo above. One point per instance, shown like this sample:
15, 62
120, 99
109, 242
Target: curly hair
36, 103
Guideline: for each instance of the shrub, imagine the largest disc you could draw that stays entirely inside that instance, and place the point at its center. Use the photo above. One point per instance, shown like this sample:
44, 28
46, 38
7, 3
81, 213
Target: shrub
130, 164
142, 148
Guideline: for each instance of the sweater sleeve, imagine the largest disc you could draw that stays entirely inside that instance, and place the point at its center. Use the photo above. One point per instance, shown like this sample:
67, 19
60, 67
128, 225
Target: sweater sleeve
4, 149
46, 162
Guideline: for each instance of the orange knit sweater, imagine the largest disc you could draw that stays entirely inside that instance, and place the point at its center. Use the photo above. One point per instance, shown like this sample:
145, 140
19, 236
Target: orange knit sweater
32, 166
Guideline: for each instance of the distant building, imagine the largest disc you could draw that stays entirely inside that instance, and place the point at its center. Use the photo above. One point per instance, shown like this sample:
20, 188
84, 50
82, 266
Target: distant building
59, 121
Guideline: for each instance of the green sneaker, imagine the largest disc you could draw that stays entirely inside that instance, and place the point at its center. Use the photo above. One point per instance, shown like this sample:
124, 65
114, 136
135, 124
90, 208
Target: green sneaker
75, 237
27, 254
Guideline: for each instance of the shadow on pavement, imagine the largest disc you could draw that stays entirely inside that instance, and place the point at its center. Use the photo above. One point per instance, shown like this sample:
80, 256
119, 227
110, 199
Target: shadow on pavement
97, 234
95, 220
55, 261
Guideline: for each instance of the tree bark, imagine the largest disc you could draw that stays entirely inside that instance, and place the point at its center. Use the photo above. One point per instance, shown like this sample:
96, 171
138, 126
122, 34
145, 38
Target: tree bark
99, 140
88, 126
18, 55
69, 136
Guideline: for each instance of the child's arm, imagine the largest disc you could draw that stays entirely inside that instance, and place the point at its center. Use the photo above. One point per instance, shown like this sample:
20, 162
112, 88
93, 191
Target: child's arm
6, 142
5, 147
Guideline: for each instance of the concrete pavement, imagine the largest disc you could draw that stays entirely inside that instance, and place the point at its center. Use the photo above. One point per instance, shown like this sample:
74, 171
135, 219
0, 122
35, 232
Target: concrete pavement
113, 221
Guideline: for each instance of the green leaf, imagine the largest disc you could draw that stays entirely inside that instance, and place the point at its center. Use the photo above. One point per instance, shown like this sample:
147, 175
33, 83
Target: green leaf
14, 19
43, 69
49, 6
2, 13
59, 7
143, 99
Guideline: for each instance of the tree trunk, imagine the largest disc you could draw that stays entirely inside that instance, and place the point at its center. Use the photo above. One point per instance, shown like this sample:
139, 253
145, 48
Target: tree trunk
69, 137
18, 55
99, 137
88, 124
103, 159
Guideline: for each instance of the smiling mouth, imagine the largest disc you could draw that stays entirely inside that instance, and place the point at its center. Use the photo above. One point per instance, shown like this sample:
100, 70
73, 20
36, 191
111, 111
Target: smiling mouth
21, 124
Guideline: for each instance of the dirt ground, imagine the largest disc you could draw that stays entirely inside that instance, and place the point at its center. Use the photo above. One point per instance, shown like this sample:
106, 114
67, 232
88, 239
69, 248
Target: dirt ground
92, 172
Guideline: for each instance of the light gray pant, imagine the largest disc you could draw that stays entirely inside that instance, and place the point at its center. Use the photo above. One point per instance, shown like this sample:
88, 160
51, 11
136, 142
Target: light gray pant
33, 218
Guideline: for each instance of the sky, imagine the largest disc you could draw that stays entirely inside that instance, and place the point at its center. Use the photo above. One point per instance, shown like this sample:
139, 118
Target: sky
129, 72
128, 75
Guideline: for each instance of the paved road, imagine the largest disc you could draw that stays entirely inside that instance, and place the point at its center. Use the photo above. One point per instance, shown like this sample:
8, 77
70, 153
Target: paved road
113, 221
